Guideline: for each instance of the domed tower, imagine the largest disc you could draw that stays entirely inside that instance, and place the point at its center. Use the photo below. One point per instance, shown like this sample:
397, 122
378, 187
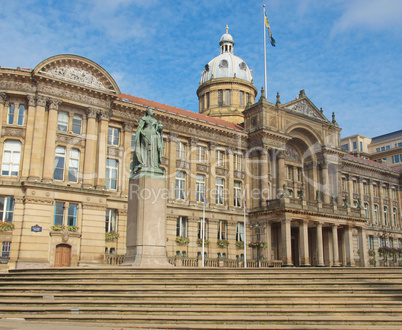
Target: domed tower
226, 84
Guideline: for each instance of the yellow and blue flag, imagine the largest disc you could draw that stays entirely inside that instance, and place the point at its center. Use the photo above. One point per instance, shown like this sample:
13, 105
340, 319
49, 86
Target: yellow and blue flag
271, 39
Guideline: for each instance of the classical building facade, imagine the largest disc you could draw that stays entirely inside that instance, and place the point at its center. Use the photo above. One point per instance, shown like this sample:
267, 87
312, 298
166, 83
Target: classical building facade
66, 150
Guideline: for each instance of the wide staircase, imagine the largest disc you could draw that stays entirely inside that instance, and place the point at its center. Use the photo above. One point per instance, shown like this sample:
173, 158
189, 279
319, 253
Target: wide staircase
207, 298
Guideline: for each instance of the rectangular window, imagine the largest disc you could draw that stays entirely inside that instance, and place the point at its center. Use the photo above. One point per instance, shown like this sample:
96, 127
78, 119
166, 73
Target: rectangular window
393, 194
387, 147
222, 230
10, 115
199, 187
21, 115
181, 227
394, 216
299, 174
354, 146
7, 209
382, 148
241, 99
199, 235
385, 215
5, 249
384, 193
72, 214
11, 158
237, 194
375, 190
376, 214
397, 158
207, 100
111, 174
58, 213
227, 97
59, 163
365, 188
113, 137
378, 149
180, 185
201, 154
355, 187
366, 210
345, 147
344, 184
220, 184
220, 97
62, 124
111, 221
73, 165
289, 172
238, 160
181, 150
240, 232
77, 124
220, 158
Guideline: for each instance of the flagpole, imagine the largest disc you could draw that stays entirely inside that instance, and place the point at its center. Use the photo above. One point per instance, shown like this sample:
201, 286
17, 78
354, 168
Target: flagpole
265, 55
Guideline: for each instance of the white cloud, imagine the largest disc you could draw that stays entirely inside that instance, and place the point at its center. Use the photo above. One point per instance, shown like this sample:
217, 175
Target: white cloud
370, 14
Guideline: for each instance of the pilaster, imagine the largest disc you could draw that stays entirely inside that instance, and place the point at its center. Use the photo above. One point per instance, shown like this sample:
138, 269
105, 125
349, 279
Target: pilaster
102, 148
286, 240
303, 244
320, 247
90, 149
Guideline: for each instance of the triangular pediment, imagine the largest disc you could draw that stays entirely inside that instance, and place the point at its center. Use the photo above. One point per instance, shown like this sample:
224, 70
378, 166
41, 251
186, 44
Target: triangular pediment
77, 70
305, 107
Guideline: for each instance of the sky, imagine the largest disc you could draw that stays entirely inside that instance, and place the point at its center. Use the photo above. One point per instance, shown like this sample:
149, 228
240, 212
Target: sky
345, 54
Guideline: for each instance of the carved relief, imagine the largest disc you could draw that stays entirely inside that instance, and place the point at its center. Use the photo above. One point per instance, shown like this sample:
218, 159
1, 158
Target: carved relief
221, 171
3, 98
113, 152
304, 108
75, 75
15, 85
13, 131
238, 174
182, 164
202, 168
70, 140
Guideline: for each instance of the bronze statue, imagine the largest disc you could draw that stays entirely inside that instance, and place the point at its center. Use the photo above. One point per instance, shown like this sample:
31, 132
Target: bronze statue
148, 144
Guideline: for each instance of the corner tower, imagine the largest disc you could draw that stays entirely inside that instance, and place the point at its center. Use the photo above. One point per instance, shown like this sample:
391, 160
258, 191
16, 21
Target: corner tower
226, 85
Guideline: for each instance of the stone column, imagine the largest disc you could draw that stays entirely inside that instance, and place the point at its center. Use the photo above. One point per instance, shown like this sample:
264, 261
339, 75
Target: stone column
350, 189
303, 244
320, 247
349, 246
281, 171
193, 170
381, 205
48, 164
268, 240
263, 176
212, 174
230, 179
371, 202
274, 173
127, 159
286, 240
90, 149
335, 245
30, 124
363, 251
172, 165
3, 100
102, 149
38, 141
325, 183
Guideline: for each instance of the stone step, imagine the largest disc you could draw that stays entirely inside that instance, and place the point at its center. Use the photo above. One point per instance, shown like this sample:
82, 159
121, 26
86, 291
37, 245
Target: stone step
340, 320
198, 311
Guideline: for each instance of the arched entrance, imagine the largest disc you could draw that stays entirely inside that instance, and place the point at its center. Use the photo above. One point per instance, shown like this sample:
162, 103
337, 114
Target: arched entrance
63, 255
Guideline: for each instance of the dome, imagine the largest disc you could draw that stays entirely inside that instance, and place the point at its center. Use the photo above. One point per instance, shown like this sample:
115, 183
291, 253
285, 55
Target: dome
226, 65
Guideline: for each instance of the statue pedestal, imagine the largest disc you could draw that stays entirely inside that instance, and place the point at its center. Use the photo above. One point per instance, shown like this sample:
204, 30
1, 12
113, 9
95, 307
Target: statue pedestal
146, 221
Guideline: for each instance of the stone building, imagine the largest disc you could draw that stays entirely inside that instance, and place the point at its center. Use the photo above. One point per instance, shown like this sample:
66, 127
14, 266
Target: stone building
66, 149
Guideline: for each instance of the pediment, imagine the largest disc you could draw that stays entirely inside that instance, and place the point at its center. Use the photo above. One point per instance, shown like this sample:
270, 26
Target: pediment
78, 70
305, 107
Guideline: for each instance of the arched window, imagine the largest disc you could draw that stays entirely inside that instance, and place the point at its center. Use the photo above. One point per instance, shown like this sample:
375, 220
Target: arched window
59, 163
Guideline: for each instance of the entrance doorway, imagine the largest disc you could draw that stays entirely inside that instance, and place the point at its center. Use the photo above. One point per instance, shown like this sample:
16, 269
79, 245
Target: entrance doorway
63, 255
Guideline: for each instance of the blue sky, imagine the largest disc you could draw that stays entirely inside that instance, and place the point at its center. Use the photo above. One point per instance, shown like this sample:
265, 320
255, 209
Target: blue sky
346, 54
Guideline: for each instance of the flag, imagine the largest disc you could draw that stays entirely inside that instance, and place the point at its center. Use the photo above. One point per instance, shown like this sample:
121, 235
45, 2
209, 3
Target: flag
271, 39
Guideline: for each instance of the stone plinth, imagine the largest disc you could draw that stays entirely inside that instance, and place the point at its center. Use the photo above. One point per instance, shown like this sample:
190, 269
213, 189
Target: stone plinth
146, 221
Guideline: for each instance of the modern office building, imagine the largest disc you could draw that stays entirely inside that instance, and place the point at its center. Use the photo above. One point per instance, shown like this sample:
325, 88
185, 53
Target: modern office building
66, 149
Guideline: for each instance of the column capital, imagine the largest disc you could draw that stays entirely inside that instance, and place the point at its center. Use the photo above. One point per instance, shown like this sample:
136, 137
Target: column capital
212, 146
54, 104
281, 154
104, 115
194, 141
41, 100
128, 127
31, 100
172, 137
3, 98
92, 112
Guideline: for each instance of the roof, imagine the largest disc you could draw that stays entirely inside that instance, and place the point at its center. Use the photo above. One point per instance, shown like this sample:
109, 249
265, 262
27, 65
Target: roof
186, 113
387, 136
368, 162
397, 168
